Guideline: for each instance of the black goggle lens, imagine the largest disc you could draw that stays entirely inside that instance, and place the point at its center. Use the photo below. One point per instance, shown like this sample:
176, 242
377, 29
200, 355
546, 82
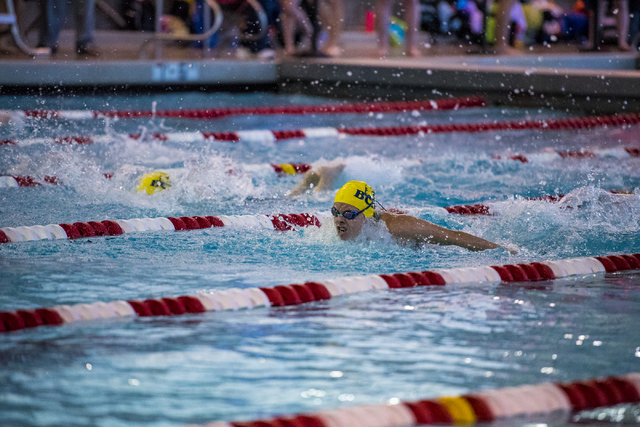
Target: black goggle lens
345, 214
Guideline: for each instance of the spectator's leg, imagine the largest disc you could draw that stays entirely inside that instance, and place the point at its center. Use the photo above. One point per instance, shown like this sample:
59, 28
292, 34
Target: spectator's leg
412, 17
383, 16
43, 25
291, 16
332, 18
55, 13
253, 27
503, 26
85, 23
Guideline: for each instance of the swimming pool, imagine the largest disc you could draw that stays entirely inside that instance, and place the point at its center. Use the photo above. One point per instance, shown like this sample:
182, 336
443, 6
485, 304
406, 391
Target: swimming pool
363, 348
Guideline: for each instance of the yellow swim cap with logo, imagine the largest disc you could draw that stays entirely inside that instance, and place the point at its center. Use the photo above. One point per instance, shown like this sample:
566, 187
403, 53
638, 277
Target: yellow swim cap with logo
154, 182
358, 194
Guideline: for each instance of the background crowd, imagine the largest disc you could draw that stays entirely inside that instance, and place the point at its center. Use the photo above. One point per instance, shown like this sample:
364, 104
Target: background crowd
304, 27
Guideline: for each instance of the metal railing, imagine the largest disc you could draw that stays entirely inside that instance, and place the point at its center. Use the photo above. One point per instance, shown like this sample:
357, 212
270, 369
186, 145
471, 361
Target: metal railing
10, 18
159, 37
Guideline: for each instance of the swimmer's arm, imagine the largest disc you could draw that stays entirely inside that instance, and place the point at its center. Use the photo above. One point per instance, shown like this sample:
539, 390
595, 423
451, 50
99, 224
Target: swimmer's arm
412, 229
320, 179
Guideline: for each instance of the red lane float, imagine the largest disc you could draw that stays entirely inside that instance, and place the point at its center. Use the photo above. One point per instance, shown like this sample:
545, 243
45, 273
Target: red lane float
482, 209
295, 294
113, 228
271, 136
215, 113
468, 409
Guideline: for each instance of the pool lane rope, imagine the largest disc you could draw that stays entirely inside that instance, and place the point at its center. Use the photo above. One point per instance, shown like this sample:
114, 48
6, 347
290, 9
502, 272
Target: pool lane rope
273, 136
273, 222
493, 209
295, 294
477, 407
483, 406
216, 113
77, 230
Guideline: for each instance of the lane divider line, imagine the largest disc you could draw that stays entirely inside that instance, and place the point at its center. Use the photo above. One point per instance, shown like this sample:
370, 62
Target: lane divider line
215, 113
483, 406
269, 137
295, 294
493, 208
282, 222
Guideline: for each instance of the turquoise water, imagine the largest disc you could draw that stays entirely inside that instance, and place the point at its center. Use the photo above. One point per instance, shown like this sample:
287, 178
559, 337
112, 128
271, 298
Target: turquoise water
362, 348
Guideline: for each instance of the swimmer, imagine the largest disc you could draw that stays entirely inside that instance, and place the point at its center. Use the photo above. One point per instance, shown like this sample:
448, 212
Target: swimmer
320, 179
153, 182
354, 205
4, 118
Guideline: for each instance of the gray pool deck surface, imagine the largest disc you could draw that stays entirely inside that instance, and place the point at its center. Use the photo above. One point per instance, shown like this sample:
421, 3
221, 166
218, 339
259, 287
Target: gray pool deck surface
558, 71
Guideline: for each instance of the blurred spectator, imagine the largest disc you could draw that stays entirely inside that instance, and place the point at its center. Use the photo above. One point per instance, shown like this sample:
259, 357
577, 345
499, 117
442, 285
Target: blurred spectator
383, 17
178, 22
544, 21
55, 17
331, 19
509, 26
139, 15
263, 48
576, 23
293, 18
471, 19
445, 13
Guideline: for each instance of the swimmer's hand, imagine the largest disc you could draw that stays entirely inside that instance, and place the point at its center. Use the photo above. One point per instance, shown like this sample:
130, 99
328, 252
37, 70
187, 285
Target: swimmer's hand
513, 249
320, 179
4, 119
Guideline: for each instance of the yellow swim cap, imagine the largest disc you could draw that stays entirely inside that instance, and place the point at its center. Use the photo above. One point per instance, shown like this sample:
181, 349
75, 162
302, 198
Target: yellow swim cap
288, 168
358, 194
154, 182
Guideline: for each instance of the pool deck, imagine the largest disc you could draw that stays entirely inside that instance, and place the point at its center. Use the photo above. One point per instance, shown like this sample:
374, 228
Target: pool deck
558, 75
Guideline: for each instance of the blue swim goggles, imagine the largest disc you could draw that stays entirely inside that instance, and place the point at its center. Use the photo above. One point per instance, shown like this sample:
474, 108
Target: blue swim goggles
347, 214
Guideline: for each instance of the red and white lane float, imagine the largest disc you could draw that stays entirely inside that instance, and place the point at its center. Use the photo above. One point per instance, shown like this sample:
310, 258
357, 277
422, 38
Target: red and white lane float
550, 154
273, 136
79, 230
215, 113
495, 207
479, 407
483, 406
294, 294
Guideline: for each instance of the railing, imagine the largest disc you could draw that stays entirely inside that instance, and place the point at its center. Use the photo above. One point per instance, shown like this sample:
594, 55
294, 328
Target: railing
159, 37
9, 18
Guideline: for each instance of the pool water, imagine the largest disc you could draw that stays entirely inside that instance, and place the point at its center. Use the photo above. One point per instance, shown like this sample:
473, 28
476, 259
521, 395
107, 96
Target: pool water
362, 348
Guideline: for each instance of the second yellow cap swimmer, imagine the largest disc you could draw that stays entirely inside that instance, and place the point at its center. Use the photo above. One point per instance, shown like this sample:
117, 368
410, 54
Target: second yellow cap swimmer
358, 194
154, 182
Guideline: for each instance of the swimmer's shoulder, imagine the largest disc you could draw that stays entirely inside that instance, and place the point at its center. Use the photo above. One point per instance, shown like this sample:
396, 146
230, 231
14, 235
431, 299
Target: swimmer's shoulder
391, 215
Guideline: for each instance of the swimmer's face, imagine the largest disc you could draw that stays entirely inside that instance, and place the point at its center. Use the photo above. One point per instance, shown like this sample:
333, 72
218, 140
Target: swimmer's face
347, 228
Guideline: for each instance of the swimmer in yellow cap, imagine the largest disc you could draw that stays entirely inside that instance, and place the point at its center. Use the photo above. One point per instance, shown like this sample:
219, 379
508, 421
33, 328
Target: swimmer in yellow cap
354, 204
153, 182
318, 179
